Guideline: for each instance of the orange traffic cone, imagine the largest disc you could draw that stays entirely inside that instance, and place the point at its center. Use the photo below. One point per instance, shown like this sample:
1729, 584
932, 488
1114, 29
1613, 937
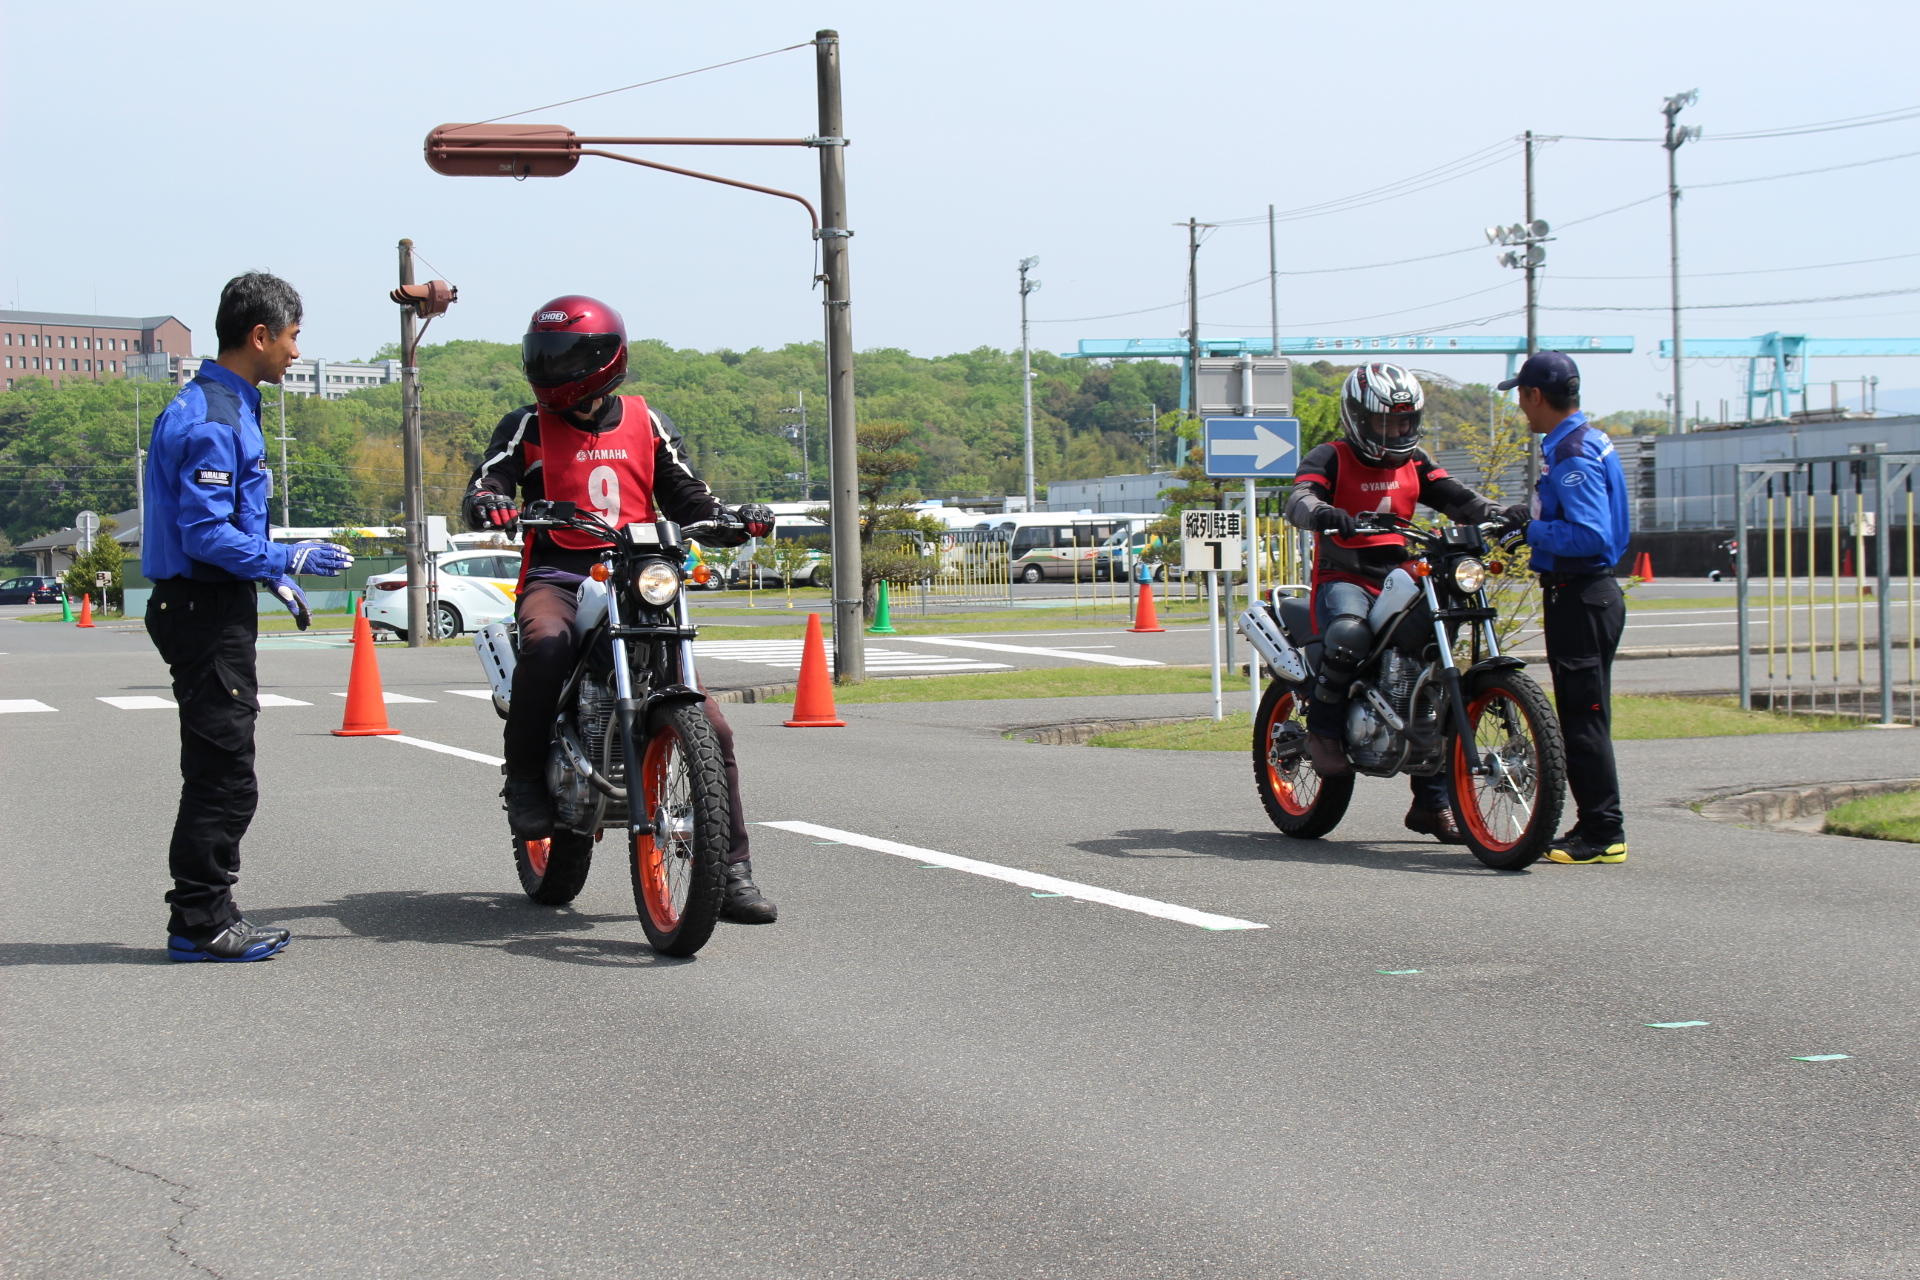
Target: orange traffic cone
366, 706
1144, 616
1643, 567
86, 611
813, 701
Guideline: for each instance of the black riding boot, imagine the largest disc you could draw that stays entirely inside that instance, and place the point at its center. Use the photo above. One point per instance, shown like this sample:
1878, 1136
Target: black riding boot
745, 904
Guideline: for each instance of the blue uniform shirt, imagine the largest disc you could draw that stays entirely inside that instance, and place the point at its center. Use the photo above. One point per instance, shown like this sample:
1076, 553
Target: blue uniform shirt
208, 485
1580, 512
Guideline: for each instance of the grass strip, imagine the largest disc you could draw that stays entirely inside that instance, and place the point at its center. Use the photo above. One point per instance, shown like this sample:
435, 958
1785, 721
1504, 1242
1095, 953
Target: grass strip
1894, 816
1043, 682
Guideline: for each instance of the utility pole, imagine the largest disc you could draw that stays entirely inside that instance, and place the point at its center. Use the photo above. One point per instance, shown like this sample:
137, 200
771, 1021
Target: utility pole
140, 466
1193, 318
849, 658
1273, 281
799, 411
286, 476
1026, 368
1676, 135
1533, 289
414, 519
1529, 239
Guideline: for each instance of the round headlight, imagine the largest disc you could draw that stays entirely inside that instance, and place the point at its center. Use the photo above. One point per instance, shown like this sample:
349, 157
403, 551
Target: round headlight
1469, 575
658, 583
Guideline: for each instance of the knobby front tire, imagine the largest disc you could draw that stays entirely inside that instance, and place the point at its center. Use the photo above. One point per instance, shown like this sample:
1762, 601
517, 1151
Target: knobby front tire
1510, 814
553, 871
678, 859
1299, 801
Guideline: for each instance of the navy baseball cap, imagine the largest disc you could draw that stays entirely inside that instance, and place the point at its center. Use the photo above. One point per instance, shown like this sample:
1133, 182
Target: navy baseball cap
1552, 371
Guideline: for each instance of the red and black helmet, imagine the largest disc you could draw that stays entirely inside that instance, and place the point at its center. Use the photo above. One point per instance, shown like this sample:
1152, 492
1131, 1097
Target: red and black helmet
575, 351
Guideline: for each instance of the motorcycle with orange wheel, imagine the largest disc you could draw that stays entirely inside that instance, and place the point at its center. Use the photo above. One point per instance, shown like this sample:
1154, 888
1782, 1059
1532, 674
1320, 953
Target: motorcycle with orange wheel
632, 750
1417, 705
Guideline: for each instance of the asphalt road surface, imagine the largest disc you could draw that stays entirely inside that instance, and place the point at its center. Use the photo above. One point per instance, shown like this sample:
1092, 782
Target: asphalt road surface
1216, 1053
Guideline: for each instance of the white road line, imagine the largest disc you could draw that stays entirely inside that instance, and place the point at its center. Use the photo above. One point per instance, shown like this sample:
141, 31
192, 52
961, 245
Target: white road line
139, 702
1110, 660
11, 706
443, 749
389, 698
483, 694
276, 700
1025, 879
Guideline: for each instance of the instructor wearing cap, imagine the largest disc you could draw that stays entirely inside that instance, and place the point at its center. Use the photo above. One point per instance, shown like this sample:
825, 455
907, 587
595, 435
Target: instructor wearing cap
1577, 526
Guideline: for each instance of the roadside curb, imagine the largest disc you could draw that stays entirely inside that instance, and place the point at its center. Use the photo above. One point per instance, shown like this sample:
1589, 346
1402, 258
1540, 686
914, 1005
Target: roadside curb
1782, 805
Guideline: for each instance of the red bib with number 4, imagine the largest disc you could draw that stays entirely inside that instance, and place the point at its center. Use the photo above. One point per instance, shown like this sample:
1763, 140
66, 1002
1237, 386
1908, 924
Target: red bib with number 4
610, 474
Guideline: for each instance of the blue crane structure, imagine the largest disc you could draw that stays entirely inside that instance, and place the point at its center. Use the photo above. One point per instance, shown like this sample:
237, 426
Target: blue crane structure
1356, 349
1777, 362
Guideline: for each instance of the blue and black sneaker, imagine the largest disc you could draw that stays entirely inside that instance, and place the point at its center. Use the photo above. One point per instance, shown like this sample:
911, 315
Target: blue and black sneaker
238, 943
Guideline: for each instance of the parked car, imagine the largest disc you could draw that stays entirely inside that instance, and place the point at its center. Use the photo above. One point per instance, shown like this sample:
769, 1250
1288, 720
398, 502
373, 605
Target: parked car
476, 588
31, 590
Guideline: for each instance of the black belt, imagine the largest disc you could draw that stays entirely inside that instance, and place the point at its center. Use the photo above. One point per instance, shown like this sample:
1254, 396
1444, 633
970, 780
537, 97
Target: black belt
1559, 579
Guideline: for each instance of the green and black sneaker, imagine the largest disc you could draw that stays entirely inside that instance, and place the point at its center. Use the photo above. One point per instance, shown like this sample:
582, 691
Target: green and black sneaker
1575, 850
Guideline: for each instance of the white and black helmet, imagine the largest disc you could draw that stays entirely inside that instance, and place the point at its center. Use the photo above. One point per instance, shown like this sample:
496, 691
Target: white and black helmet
1380, 409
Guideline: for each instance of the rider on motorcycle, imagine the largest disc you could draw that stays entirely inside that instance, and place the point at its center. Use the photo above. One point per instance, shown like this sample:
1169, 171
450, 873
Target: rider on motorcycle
625, 461
1376, 467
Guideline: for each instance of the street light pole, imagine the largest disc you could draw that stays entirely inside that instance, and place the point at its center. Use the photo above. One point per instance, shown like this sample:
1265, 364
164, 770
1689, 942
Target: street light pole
1026, 369
416, 499
1675, 137
850, 663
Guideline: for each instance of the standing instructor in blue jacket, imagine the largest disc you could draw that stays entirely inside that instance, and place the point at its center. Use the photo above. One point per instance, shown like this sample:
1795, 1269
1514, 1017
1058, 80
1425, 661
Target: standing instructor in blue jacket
205, 546
1577, 526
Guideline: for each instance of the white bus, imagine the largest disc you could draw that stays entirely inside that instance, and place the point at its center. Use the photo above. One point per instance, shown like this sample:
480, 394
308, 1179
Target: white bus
1068, 545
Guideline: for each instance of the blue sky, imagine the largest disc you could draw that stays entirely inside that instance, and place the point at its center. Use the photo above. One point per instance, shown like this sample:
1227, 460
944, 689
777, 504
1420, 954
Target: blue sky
154, 152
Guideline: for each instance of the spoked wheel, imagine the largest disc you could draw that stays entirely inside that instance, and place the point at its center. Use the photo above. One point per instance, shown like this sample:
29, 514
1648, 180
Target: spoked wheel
1508, 813
1300, 802
553, 871
678, 860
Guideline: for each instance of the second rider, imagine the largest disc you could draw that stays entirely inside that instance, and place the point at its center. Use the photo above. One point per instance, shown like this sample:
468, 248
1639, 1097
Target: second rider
624, 461
1376, 467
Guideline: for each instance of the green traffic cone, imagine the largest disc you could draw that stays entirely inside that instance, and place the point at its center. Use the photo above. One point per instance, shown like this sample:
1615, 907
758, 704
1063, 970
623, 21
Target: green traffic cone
882, 615
66, 608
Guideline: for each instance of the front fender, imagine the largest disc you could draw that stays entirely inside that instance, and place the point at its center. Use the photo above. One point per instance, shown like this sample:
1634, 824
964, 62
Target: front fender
1473, 675
658, 702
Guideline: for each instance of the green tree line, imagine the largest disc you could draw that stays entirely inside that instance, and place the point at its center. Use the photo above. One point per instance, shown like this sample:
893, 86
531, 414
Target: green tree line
70, 448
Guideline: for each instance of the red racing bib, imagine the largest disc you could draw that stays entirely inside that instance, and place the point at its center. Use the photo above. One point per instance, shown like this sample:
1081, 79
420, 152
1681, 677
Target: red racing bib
610, 474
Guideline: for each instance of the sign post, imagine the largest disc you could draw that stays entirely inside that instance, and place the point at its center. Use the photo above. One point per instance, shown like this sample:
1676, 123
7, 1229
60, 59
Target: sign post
87, 524
1212, 542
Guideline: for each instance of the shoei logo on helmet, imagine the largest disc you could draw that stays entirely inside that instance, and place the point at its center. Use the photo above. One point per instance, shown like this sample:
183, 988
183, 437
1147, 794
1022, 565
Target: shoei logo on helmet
551, 317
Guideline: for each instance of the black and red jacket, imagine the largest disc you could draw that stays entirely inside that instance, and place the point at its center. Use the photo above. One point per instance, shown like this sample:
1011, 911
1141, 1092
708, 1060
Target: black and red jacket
515, 460
1332, 474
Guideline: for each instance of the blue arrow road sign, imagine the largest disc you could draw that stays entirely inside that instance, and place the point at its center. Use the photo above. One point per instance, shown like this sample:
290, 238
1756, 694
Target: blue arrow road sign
1252, 447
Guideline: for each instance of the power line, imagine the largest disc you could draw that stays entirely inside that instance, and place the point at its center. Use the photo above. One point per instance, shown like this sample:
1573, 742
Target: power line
1801, 173
1755, 271
678, 75
1471, 163
1894, 116
1741, 306
1378, 315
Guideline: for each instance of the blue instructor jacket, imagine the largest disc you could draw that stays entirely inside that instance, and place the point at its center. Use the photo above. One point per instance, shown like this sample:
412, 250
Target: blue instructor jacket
1580, 511
208, 486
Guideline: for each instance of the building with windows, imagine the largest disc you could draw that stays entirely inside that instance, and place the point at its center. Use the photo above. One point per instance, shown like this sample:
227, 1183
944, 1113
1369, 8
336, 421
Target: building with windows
328, 379
63, 347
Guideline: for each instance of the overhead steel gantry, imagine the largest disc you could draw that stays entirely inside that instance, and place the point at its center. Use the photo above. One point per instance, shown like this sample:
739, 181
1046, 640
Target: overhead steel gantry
1355, 349
1777, 362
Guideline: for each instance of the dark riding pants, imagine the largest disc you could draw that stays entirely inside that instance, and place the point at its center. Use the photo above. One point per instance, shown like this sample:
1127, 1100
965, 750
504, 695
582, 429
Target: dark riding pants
206, 631
1583, 618
1330, 600
547, 653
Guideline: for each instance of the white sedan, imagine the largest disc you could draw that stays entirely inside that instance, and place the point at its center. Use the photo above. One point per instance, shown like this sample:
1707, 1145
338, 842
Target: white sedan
476, 588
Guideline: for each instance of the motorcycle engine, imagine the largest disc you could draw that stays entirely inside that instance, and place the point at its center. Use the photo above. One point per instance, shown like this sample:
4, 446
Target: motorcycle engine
1373, 744
574, 798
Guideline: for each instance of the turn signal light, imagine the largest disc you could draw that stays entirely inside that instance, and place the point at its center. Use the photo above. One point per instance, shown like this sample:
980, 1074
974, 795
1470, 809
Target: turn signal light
701, 574
1496, 567
600, 573
1419, 568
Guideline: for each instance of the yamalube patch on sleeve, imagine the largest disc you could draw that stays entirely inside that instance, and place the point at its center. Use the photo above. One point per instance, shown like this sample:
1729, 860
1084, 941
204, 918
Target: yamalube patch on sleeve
208, 476
1573, 478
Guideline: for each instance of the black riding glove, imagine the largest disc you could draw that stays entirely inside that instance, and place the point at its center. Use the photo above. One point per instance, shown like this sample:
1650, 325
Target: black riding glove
757, 516
1331, 519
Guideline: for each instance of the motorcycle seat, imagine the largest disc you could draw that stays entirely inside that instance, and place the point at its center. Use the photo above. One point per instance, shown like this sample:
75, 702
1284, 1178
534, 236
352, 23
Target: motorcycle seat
1296, 616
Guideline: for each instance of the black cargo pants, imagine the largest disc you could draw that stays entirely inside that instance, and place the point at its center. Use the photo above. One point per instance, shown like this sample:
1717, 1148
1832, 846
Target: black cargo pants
1583, 617
206, 631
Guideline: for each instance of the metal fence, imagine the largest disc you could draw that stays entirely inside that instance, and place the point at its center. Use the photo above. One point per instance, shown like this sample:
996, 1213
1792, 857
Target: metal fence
1828, 540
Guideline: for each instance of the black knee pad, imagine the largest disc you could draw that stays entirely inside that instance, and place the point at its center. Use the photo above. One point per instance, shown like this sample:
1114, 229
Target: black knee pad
1346, 642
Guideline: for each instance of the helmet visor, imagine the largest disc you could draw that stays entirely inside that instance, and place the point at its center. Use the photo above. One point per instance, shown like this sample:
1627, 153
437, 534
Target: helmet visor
1396, 431
555, 359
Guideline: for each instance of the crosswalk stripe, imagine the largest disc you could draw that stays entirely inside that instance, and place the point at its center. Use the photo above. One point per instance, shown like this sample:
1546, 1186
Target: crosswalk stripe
483, 694
10, 706
276, 700
389, 698
139, 702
